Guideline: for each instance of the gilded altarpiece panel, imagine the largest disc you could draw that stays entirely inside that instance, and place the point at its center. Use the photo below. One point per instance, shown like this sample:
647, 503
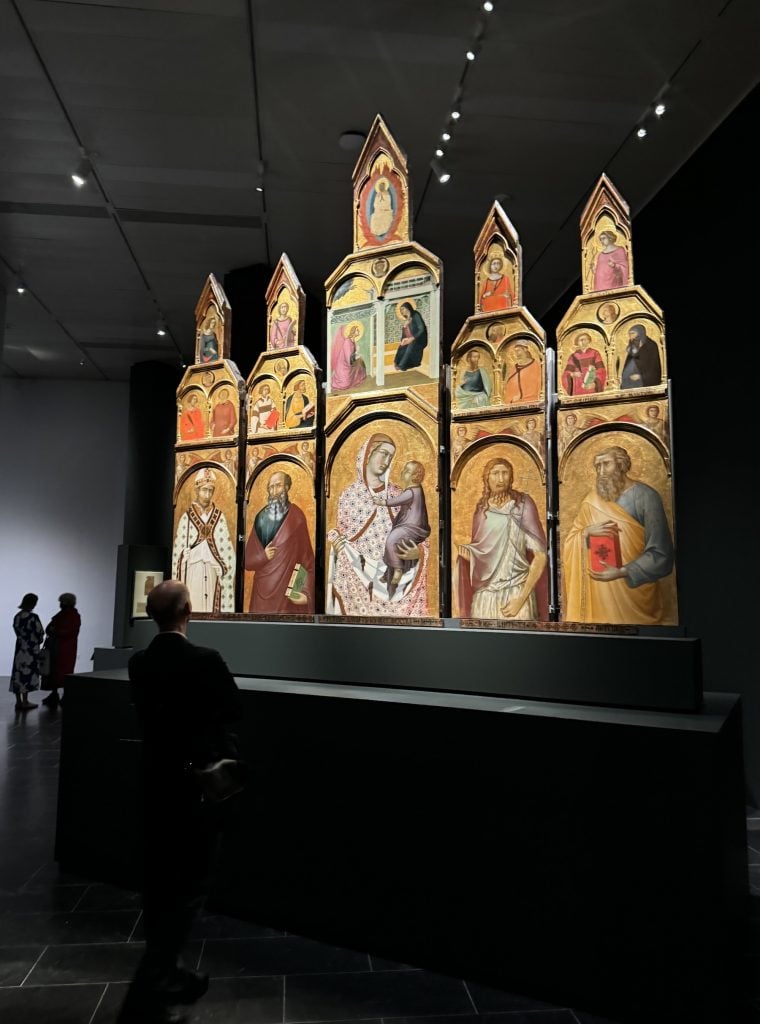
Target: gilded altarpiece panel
497, 443
383, 389
207, 455
280, 482
616, 547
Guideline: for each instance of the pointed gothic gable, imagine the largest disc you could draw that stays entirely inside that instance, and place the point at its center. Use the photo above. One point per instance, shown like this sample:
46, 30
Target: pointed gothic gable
213, 323
382, 213
498, 264
607, 254
286, 308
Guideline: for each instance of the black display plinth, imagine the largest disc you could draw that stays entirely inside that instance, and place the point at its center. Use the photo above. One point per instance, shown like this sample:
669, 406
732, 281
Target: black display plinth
657, 671
590, 857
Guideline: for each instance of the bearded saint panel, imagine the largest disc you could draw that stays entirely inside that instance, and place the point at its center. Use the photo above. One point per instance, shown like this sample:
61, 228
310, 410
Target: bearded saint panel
280, 526
205, 525
498, 539
382, 553
616, 531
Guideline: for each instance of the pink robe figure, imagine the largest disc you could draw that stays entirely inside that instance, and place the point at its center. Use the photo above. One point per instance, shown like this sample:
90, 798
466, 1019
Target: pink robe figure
611, 269
346, 373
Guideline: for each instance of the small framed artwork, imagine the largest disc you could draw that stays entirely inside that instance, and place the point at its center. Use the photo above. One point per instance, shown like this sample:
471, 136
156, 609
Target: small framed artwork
145, 581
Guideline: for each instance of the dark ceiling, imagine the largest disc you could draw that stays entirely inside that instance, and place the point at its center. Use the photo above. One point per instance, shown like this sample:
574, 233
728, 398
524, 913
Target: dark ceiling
184, 107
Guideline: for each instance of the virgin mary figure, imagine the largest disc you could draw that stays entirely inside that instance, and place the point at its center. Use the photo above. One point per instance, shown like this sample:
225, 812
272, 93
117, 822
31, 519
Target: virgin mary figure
356, 567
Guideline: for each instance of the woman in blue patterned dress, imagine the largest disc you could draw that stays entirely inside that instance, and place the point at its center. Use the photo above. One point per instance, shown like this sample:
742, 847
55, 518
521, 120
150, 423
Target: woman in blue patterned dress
26, 658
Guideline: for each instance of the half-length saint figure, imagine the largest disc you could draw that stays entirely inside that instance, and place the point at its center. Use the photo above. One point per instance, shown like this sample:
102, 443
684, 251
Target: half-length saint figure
203, 556
357, 555
642, 367
655, 422
208, 340
265, 415
300, 410
610, 267
346, 365
282, 332
629, 515
502, 571
523, 375
224, 416
585, 372
278, 544
496, 290
414, 337
191, 423
475, 385
532, 434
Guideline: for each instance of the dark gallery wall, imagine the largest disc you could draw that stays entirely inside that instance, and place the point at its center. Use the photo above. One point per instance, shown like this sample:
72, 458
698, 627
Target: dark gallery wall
697, 244
695, 253
62, 521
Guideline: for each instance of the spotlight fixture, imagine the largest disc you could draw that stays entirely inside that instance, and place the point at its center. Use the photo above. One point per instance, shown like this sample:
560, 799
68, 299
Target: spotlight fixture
82, 172
20, 289
439, 152
259, 188
161, 332
488, 6
660, 109
445, 136
455, 115
440, 171
470, 55
641, 133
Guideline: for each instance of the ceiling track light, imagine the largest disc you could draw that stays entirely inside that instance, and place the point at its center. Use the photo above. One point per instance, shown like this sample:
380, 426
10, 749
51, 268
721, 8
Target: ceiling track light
82, 172
439, 152
641, 133
455, 115
20, 288
660, 109
487, 6
445, 136
440, 171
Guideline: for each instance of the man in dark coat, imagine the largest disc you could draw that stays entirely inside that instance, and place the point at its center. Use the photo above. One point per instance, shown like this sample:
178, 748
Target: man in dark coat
186, 700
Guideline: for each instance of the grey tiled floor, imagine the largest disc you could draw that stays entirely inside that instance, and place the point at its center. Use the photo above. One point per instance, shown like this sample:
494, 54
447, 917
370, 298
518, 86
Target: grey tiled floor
69, 946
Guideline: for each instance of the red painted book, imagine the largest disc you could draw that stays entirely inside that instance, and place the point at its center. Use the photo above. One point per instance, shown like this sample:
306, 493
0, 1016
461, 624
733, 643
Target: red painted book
604, 551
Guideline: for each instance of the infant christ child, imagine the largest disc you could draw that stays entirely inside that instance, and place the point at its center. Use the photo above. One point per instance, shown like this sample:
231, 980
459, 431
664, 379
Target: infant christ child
410, 523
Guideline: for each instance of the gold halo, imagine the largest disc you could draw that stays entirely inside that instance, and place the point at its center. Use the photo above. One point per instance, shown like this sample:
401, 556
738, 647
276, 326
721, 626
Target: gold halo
382, 178
404, 302
350, 326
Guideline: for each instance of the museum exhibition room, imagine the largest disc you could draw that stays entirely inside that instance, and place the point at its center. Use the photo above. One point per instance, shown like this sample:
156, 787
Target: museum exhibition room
388, 344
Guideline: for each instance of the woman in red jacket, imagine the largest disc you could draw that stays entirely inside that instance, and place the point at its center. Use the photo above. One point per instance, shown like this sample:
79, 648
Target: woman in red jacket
62, 632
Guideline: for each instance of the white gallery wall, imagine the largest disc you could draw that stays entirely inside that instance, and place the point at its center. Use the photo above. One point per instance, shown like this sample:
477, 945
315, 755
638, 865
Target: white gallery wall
64, 463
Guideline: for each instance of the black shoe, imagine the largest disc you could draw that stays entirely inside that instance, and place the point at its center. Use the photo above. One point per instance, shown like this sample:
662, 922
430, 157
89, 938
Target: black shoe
52, 700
